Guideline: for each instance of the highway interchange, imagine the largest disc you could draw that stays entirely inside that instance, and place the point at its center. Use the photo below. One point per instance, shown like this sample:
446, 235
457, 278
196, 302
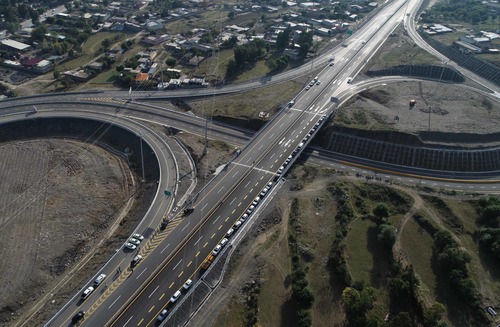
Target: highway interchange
135, 297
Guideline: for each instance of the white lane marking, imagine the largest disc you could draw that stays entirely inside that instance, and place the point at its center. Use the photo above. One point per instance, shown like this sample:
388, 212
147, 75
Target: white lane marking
165, 248
114, 301
260, 147
216, 220
198, 240
271, 135
142, 272
153, 291
232, 201
272, 156
236, 173
128, 321
282, 140
221, 189
247, 184
177, 264
204, 206
183, 228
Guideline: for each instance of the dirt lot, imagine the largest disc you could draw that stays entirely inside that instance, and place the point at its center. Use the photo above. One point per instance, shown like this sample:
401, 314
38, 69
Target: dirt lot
58, 199
81, 198
455, 109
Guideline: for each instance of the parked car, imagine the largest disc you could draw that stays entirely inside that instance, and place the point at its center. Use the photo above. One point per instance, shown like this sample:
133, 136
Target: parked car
237, 225
175, 297
130, 246
98, 281
163, 314
217, 250
134, 241
138, 237
187, 284
87, 292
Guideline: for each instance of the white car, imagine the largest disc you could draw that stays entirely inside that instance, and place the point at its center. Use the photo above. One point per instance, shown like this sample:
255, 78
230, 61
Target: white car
270, 184
134, 241
130, 246
237, 225
136, 260
175, 297
98, 281
244, 217
138, 237
217, 250
162, 315
229, 232
87, 292
250, 209
187, 284
256, 201
223, 242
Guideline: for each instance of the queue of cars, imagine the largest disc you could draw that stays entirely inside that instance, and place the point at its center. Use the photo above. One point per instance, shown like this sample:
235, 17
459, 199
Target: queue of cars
134, 241
164, 313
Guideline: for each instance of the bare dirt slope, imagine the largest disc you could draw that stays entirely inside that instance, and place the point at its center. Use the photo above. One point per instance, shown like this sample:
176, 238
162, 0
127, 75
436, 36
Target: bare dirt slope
58, 198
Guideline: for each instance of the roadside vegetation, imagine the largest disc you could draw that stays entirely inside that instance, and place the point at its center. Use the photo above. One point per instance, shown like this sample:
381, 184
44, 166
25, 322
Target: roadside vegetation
369, 254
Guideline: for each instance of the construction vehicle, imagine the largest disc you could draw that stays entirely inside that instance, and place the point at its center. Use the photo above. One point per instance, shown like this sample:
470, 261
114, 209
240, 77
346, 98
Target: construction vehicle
208, 261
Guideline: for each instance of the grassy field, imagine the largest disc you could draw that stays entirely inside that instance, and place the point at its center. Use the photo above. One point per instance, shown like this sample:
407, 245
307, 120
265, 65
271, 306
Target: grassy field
417, 244
215, 66
258, 70
90, 49
248, 104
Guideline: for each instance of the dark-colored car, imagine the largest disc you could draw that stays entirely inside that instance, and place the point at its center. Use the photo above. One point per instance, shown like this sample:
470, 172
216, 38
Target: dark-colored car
79, 316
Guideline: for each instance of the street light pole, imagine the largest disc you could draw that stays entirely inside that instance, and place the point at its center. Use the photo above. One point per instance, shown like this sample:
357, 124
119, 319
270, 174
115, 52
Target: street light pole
142, 160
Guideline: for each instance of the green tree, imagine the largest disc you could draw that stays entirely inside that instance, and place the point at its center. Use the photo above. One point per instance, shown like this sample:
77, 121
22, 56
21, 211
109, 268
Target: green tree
402, 319
434, 314
304, 297
387, 235
381, 210
38, 33
231, 68
283, 39
171, 62
357, 303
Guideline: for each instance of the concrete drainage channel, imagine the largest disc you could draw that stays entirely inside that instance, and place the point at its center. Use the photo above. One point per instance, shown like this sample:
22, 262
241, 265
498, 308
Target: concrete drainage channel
192, 301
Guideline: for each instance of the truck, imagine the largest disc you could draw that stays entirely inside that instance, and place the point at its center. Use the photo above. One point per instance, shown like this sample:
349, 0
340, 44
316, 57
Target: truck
208, 261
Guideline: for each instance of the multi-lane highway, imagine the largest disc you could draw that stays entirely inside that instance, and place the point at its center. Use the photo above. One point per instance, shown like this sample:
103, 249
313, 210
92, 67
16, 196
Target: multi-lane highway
135, 296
